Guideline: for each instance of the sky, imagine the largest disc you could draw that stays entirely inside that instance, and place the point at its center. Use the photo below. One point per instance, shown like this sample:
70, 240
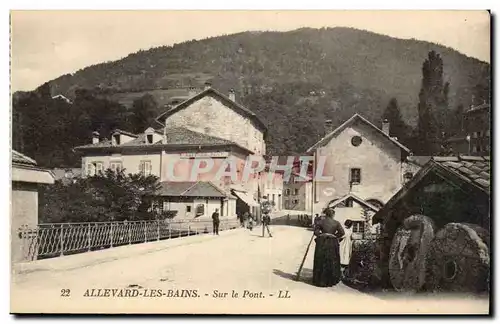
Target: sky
47, 44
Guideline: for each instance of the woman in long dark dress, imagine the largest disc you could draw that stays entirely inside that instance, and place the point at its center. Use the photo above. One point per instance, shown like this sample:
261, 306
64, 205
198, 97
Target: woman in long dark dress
326, 269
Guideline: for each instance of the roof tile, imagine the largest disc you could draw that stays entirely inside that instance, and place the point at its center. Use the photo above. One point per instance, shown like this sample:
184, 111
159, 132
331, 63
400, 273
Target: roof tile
454, 165
485, 175
473, 169
483, 183
445, 158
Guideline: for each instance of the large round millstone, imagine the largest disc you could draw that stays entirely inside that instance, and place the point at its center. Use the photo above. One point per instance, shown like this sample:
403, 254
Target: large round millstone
459, 259
407, 258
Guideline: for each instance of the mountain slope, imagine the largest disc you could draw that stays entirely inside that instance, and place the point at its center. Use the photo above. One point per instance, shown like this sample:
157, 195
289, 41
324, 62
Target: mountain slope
295, 78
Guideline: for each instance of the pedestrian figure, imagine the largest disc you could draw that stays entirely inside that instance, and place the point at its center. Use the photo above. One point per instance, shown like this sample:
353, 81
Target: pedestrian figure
266, 221
250, 221
326, 269
215, 221
346, 247
246, 219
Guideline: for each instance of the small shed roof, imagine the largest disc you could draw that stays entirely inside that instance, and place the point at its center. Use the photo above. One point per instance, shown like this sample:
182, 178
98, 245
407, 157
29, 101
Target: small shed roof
471, 172
190, 189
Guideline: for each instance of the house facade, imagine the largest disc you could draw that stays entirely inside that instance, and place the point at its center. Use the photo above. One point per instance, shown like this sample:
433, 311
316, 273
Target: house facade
475, 138
358, 211
358, 158
208, 125
26, 176
297, 193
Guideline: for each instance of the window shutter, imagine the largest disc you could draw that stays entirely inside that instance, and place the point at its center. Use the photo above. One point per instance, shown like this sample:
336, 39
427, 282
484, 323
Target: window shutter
150, 167
141, 167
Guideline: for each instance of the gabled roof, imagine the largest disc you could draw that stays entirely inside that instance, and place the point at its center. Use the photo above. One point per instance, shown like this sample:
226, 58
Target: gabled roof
472, 171
211, 91
175, 136
190, 189
22, 159
419, 160
25, 169
355, 117
124, 132
356, 198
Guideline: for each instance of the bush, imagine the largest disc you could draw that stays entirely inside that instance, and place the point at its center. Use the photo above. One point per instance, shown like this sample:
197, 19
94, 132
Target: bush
363, 268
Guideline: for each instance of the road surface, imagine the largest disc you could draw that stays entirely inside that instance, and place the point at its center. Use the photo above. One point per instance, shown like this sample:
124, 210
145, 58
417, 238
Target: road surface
236, 272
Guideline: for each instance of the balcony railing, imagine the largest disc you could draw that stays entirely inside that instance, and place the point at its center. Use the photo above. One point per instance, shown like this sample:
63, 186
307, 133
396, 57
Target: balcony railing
57, 239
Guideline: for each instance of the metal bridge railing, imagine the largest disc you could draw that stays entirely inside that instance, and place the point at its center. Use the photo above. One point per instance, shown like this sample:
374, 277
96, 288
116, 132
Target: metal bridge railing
56, 239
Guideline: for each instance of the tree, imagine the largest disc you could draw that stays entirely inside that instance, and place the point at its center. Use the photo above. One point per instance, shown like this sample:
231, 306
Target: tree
110, 196
432, 106
144, 112
398, 127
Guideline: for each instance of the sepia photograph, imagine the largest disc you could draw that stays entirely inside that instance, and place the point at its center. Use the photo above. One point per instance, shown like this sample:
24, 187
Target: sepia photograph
250, 162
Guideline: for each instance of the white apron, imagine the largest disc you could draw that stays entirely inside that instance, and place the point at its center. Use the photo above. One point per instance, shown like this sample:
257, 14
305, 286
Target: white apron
346, 247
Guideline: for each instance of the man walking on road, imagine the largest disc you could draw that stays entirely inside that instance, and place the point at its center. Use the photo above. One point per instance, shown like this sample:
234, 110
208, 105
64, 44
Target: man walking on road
215, 221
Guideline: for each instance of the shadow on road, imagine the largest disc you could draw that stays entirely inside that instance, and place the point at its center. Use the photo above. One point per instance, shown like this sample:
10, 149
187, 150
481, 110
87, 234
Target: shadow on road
305, 275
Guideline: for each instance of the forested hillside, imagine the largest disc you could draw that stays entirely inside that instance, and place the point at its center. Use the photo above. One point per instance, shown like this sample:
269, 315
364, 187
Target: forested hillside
292, 80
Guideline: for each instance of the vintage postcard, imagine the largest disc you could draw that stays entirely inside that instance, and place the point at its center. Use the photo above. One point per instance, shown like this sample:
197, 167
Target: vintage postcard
250, 162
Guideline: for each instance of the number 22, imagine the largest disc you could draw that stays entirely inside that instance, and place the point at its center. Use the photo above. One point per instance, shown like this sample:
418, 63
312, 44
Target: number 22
65, 292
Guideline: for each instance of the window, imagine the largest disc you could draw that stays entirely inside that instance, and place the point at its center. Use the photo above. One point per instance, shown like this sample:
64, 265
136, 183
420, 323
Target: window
295, 192
166, 206
348, 203
356, 140
99, 167
408, 175
116, 166
295, 201
150, 138
355, 176
287, 192
287, 204
358, 227
145, 168
188, 209
200, 210
90, 170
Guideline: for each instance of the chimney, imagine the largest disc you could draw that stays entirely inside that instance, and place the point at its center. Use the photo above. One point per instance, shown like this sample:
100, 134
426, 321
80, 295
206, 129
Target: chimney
192, 92
95, 137
328, 126
385, 126
232, 96
208, 85
164, 138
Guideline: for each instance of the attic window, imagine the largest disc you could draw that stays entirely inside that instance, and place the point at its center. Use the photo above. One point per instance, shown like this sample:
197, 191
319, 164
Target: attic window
356, 140
149, 138
348, 202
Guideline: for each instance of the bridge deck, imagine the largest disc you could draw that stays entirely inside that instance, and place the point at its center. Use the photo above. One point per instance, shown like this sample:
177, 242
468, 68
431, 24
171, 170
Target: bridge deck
236, 260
